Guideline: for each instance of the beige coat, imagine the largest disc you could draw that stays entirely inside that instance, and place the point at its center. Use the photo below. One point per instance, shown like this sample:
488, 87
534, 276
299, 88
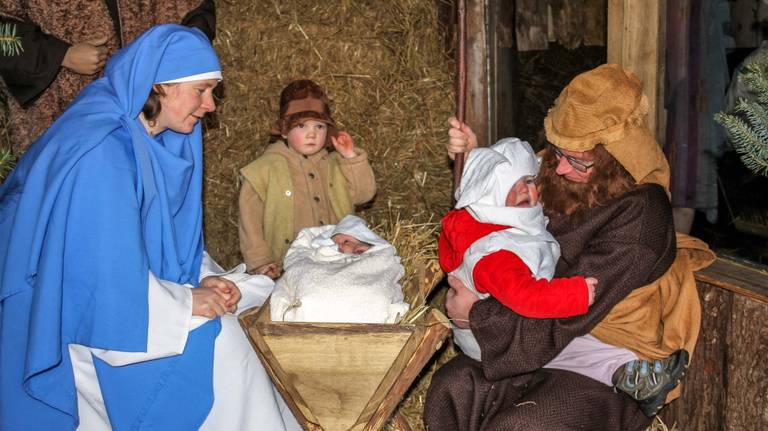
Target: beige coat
310, 179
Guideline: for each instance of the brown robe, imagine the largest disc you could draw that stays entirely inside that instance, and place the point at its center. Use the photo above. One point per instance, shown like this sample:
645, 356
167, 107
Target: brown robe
63, 23
626, 243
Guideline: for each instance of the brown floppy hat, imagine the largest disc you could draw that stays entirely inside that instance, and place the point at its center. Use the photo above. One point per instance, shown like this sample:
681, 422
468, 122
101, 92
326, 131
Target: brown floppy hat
300, 101
606, 106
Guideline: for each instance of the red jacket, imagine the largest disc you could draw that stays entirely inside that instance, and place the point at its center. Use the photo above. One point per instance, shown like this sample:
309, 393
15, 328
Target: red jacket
505, 276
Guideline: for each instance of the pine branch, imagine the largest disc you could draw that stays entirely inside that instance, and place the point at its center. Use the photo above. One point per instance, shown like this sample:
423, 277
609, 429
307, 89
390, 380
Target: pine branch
747, 124
757, 118
752, 151
755, 78
10, 44
6, 162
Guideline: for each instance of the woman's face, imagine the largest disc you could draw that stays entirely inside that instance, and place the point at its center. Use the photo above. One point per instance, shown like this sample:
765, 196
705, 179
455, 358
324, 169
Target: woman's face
566, 169
184, 104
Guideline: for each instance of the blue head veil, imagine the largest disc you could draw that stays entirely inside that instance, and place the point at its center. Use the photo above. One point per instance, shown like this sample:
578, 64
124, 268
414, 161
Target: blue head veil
93, 206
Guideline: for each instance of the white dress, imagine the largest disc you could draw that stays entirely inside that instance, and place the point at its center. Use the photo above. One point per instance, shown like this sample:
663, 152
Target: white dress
244, 397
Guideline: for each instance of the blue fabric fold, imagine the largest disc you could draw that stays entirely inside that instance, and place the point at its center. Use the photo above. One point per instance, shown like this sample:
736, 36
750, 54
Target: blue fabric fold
94, 205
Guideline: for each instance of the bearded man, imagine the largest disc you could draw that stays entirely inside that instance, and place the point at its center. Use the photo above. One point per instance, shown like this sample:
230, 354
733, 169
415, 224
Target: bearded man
604, 184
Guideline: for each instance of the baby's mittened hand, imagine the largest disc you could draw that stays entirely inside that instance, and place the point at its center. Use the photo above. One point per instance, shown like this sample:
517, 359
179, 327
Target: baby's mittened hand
591, 284
342, 142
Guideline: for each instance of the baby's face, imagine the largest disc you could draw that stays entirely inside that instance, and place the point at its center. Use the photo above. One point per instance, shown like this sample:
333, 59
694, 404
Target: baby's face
349, 244
524, 193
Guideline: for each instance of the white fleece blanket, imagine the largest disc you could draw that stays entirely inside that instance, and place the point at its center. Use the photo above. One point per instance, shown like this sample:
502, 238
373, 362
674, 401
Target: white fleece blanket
321, 284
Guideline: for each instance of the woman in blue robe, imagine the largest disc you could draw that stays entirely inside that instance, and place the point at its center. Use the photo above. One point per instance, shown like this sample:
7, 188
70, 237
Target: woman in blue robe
111, 313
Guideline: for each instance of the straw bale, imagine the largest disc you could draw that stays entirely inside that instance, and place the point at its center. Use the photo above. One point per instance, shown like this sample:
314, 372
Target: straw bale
383, 66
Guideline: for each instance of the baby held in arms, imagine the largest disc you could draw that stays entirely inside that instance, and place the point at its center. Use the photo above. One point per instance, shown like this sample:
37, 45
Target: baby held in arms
339, 273
496, 241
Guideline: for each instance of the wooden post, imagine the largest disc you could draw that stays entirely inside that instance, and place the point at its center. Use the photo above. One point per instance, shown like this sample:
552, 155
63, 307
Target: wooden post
477, 71
635, 41
461, 86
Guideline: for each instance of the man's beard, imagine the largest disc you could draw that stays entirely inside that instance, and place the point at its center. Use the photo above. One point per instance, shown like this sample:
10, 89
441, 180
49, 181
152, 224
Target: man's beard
564, 197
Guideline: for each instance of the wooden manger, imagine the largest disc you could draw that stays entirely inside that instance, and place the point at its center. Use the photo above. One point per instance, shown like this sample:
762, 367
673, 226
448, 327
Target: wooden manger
346, 376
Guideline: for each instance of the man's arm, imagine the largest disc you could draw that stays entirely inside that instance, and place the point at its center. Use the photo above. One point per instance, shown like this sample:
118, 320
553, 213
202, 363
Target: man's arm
30, 72
202, 17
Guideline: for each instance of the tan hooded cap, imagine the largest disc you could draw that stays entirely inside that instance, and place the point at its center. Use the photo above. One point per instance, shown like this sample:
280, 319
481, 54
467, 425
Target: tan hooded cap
606, 106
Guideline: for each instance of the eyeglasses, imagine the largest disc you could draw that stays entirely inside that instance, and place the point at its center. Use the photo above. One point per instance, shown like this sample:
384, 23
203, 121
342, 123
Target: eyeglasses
577, 164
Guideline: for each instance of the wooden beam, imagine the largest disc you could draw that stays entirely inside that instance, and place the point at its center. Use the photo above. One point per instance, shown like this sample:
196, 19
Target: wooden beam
477, 71
635, 41
740, 278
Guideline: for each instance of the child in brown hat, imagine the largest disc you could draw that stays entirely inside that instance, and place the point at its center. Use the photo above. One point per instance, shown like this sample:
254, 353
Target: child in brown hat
299, 181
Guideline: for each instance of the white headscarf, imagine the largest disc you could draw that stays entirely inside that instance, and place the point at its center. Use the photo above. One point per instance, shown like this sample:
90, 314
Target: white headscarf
488, 176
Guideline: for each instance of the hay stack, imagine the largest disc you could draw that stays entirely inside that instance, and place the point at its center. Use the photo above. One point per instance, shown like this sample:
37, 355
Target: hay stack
383, 66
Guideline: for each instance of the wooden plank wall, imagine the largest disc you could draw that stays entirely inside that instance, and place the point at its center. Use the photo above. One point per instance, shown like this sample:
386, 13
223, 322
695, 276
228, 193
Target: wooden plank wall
726, 387
745, 15
568, 22
531, 25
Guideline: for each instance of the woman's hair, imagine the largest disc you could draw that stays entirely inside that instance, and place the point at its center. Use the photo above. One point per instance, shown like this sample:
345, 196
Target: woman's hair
564, 197
152, 106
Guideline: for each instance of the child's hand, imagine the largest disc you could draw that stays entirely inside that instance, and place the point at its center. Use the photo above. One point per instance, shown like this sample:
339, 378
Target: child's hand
270, 270
591, 284
344, 145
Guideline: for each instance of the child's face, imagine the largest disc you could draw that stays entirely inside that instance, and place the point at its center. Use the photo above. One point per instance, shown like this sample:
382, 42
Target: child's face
308, 137
524, 193
349, 244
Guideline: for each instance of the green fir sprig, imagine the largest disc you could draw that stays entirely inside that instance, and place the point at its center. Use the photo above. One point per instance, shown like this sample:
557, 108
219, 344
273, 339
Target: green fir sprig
6, 162
10, 44
747, 123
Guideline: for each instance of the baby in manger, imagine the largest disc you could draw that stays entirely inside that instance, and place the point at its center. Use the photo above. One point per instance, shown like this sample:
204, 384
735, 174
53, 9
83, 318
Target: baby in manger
339, 273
